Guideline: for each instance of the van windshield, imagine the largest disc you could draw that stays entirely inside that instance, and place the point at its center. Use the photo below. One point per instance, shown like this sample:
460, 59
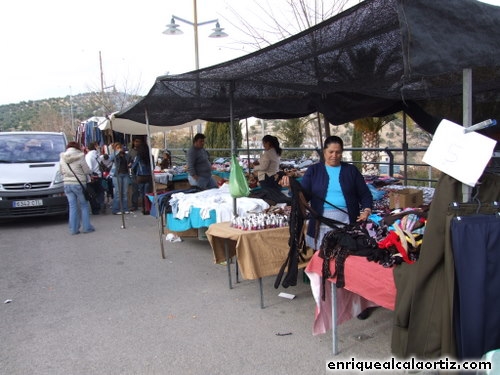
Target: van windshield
30, 148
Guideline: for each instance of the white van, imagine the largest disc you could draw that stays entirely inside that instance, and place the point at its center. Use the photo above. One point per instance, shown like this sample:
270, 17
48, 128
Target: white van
30, 181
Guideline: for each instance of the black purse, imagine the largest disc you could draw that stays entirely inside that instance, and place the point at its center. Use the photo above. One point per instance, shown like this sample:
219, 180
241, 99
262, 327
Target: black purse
88, 192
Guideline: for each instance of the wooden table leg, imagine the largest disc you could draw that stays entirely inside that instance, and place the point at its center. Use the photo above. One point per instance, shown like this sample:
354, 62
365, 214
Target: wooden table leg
228, 264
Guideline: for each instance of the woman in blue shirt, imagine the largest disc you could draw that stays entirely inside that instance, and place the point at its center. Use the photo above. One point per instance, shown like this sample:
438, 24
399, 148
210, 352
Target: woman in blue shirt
336, 190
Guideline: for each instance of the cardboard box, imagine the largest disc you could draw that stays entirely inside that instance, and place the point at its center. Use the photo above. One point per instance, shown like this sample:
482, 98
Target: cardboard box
405, 198
179, 185
193, 232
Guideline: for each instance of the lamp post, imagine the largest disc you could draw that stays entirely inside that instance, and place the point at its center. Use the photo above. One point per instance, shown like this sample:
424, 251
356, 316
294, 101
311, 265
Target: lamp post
173, 29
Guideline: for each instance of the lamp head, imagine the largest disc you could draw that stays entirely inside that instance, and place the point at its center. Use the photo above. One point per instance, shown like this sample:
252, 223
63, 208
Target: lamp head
218, 33
172, 28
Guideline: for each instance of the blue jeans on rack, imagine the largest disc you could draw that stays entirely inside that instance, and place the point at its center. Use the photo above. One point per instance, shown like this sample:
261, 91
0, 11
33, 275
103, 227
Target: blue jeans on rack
475, 240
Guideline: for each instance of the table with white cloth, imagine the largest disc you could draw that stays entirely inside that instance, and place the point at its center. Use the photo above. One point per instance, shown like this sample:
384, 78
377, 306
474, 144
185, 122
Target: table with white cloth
201, 209
259, 253
367, 284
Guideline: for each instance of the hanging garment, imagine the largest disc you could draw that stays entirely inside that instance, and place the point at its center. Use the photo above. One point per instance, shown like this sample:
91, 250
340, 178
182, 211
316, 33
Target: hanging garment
423, 314
476, 251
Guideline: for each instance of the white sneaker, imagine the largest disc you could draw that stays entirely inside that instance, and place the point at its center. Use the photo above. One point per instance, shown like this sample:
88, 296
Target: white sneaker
117, 213
127, 212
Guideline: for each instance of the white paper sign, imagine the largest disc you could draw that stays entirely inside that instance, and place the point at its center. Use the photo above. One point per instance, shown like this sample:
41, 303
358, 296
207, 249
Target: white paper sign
461, 155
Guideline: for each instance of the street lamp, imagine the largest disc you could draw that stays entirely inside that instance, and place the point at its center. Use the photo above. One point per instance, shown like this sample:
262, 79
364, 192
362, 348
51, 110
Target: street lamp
173, 29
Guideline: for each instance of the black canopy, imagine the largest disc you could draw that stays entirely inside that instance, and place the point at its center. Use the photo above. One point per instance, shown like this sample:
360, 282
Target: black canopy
377, 58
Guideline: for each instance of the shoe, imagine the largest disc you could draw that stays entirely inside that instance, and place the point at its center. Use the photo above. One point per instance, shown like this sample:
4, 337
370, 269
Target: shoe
365, 314
127, 212
117, 213
90, 231
145, 212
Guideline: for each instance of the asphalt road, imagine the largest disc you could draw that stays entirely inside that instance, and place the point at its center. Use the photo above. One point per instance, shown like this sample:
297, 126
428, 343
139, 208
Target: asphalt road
107, 303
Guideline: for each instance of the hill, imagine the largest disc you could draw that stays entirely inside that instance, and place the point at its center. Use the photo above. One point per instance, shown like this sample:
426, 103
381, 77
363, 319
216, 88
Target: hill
61, 114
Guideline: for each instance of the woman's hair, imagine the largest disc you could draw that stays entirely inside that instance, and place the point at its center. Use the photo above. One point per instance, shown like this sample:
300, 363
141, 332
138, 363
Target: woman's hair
73, 144
275, 143
333, 139
93, 146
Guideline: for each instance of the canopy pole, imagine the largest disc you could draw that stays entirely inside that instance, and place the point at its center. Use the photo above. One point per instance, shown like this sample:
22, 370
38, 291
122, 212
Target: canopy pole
248, 146
155, 195
405, 149
467, 117
320, 132
231, 129
112, 133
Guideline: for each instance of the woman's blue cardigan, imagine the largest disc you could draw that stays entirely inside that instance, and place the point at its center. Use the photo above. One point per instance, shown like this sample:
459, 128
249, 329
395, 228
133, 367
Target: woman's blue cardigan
353, 185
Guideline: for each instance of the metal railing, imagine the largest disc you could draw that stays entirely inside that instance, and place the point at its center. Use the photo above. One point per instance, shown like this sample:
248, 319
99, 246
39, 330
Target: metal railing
403, 163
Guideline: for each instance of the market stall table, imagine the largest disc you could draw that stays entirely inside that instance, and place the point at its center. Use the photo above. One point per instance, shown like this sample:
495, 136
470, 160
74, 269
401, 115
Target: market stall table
369, 280
259, 253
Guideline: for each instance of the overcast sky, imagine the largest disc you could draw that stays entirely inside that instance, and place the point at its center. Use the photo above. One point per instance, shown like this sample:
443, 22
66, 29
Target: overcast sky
50, 48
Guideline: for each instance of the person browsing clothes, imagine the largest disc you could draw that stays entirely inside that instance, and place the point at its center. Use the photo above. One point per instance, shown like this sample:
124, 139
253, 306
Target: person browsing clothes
198, 165
141, 168
74, 168
269, 163
132, 153
92, 159
121, 179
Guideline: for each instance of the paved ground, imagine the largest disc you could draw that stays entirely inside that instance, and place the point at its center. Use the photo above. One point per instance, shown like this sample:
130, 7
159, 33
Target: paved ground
107, 303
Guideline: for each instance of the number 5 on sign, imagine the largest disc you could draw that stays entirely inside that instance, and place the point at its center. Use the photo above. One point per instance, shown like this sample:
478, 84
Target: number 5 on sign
461, 155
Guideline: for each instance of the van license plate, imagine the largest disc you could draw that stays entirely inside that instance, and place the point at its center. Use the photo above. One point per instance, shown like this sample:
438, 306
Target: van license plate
28, 203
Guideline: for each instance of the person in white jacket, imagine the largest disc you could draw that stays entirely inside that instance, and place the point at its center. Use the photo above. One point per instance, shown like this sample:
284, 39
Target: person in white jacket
93, 161
74, 168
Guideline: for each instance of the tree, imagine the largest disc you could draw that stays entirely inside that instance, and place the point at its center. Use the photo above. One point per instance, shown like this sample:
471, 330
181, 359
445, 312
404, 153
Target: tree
369, 128
218, 136
357, 142
292, 17
292, 133
281, 19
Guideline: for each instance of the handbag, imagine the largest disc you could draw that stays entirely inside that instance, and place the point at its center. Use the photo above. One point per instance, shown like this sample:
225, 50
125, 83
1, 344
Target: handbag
88, 192
102, 167
238, 184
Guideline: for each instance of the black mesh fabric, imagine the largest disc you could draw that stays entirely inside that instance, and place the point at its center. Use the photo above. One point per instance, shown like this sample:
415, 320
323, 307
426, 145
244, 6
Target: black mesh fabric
376, 58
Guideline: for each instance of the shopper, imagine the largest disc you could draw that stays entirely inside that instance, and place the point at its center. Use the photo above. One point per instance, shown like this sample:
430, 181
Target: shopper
136, 142
121, 179
141, 168
92, 158
75, 172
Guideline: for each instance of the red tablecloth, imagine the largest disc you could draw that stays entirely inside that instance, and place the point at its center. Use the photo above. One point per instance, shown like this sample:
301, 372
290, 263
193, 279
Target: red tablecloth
367, 284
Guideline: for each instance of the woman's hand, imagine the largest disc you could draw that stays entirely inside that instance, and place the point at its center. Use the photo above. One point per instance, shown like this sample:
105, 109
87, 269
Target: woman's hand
363, 215
285, 181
